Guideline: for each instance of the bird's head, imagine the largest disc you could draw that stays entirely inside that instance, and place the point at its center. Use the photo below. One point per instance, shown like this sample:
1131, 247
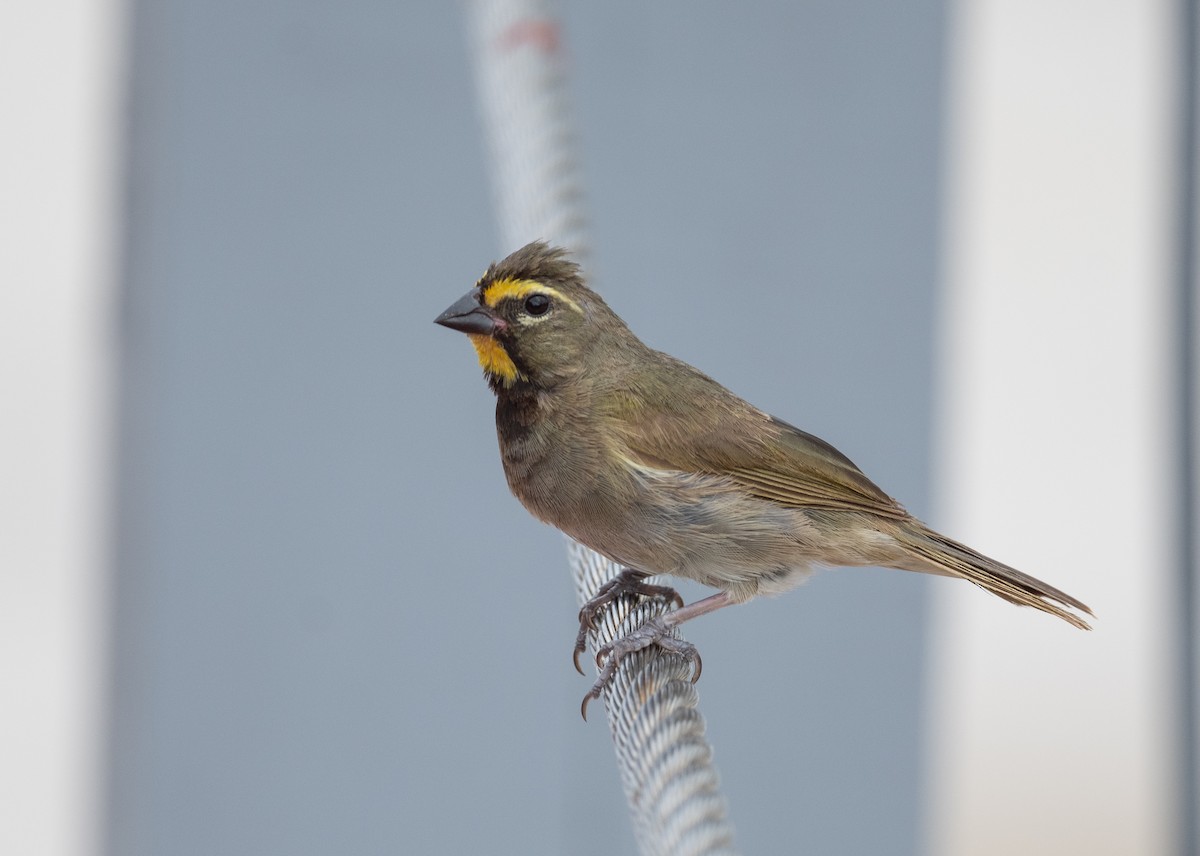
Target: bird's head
532, 319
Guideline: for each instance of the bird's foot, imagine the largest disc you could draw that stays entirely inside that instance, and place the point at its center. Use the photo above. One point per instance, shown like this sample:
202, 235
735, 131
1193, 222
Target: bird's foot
656, 631
628, 581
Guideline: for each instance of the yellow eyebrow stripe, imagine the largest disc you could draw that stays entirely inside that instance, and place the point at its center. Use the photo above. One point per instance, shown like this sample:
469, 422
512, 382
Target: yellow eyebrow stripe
518, 288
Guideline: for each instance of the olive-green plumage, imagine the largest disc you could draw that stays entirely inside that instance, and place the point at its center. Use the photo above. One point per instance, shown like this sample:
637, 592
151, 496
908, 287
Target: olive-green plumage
652, 463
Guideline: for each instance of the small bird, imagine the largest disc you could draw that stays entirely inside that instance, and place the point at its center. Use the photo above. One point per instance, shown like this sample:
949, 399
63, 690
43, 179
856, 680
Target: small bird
658, 467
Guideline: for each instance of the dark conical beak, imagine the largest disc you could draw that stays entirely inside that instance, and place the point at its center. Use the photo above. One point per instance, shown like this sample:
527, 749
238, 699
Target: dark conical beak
468, 315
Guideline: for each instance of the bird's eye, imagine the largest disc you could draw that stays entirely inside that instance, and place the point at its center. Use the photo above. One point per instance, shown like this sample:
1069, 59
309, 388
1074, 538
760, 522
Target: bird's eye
537, 304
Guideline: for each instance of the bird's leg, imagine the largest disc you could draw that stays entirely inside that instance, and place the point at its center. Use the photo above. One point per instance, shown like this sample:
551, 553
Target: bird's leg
656, 631
628, 581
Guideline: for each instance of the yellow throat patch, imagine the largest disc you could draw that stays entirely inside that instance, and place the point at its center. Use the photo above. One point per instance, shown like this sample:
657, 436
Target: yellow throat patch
495, 360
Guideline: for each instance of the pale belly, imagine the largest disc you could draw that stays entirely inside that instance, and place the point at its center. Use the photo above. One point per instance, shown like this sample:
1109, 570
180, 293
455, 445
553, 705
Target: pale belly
702, 528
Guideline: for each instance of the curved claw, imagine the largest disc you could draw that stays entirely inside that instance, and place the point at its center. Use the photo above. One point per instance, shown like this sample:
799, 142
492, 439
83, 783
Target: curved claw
606, 676
602, 655
580, 646
591, 694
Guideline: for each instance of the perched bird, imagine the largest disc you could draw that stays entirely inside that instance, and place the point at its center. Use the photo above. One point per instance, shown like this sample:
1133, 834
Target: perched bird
655, 465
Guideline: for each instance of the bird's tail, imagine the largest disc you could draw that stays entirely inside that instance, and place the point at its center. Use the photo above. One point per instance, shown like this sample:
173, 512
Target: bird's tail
949, 557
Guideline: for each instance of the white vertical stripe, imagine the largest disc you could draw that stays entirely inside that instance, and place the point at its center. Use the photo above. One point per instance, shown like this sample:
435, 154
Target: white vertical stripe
1055, 430
58, 97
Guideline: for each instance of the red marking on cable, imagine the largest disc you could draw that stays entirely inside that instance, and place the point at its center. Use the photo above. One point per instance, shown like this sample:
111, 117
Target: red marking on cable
541, 33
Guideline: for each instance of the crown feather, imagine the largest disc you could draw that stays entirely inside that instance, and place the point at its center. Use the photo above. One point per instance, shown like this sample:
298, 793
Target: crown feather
535, 261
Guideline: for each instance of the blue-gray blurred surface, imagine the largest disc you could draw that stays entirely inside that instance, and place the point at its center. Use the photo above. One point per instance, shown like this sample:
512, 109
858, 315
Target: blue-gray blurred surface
336, 632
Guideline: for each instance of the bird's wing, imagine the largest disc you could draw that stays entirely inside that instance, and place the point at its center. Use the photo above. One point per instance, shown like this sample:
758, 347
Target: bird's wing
809, 472
700, 426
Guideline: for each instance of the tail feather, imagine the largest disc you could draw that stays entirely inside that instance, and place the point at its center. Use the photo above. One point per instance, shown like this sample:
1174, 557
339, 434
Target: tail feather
950, 557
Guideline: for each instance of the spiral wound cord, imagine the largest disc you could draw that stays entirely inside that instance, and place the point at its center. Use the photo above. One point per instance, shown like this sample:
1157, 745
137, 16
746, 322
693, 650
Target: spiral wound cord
523, 98
665, 762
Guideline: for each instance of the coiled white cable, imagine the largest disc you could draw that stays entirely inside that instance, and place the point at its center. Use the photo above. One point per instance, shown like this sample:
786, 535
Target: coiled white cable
664, 758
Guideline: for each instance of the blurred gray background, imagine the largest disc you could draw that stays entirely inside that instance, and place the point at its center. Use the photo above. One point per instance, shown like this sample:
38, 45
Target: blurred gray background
336, 632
